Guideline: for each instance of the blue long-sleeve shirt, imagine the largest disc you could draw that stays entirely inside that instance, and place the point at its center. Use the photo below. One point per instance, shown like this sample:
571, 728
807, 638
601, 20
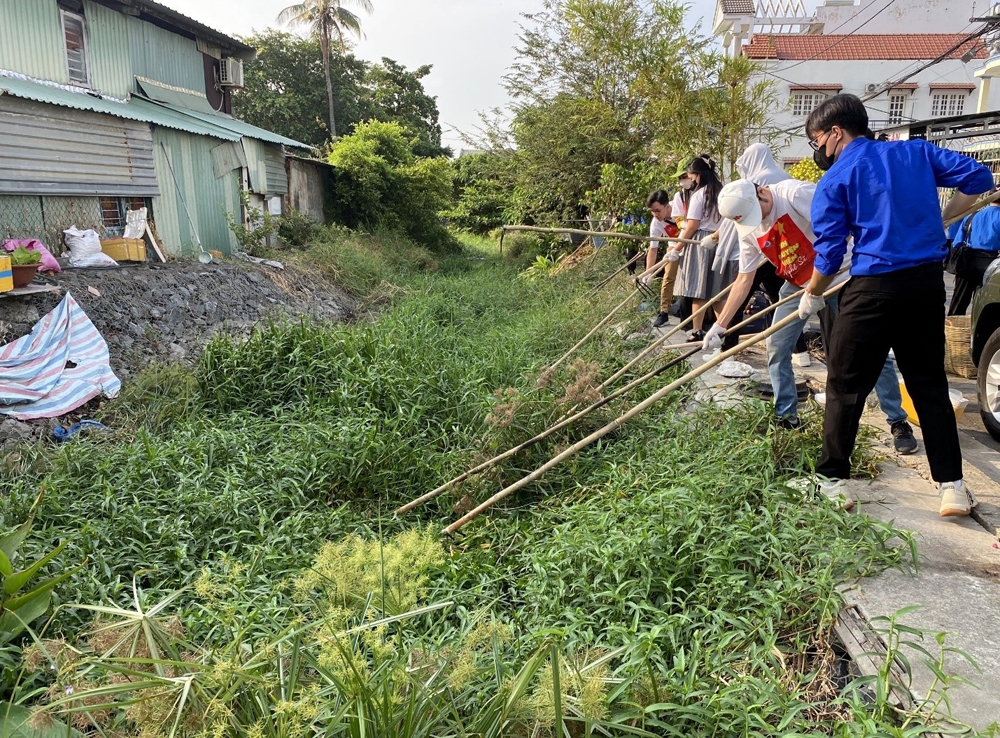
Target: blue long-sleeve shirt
884, 194
985, 232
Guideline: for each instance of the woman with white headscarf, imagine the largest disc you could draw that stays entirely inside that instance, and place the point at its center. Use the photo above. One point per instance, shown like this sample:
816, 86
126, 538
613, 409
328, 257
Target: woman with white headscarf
756, 164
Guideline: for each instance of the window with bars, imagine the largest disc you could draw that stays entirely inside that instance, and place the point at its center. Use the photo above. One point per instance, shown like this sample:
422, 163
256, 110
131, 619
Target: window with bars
113, 210
75, 34
947, 103
897, 107
804, 102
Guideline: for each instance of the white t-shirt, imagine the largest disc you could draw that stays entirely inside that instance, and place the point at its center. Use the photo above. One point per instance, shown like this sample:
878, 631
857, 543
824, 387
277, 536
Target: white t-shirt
678, 210
697, 211
785, 237
657, 229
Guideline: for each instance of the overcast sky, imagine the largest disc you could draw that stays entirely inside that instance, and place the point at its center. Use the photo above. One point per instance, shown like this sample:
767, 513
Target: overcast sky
469, 42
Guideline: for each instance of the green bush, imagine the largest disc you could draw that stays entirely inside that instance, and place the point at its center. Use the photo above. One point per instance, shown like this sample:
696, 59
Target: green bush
380, 183
482, 191
296, 228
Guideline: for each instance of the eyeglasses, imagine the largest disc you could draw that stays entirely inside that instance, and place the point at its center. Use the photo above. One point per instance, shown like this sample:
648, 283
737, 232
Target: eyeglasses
814, 142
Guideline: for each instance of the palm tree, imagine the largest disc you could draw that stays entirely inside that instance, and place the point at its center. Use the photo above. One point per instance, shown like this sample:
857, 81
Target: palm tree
327, 20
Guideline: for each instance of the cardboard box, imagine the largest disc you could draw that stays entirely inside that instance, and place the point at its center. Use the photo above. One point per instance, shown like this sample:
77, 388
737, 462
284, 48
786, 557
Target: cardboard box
6, 275
125, 249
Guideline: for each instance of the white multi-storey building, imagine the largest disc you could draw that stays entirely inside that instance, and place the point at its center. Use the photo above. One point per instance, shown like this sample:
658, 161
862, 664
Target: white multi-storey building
908, 59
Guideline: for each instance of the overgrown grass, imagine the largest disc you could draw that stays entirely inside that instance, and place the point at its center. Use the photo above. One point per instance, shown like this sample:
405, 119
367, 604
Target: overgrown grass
662, 582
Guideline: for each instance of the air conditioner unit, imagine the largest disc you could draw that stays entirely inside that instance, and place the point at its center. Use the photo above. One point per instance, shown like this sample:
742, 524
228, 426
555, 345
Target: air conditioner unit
870, 88
230, 72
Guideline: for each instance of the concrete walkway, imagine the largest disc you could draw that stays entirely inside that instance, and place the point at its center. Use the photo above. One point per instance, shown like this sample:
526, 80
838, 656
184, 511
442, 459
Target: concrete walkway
957, 583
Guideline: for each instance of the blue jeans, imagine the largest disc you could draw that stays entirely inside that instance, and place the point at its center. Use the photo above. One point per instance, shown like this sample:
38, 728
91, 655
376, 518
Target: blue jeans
779, 365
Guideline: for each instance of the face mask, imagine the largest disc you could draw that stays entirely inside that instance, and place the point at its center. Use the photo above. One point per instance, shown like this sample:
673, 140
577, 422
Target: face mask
686, 184
823, 161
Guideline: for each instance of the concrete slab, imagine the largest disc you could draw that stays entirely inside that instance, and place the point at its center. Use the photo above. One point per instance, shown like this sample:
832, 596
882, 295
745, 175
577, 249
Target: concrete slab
957, 586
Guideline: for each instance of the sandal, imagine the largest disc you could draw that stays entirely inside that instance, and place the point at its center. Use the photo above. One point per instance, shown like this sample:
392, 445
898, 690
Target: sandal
696, 336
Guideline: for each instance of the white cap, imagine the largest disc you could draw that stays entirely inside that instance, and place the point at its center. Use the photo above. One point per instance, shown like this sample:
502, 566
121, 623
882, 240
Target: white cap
738, 202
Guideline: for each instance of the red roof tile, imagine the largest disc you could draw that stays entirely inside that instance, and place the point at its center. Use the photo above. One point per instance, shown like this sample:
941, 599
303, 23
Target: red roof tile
860, 47
905, 86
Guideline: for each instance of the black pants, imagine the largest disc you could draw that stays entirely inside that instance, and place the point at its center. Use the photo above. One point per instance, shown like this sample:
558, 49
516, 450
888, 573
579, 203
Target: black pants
903, 311
962, 296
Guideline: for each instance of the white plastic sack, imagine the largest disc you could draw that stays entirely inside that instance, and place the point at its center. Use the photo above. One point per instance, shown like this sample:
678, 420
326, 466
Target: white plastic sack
85, 248
99, 259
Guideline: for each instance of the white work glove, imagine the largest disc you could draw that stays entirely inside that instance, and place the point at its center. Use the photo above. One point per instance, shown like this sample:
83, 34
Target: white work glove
672, 255
709, 243
647, 280
810, 304
713, 339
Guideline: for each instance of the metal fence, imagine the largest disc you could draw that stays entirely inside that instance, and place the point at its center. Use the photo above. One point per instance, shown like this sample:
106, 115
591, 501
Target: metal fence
45, 218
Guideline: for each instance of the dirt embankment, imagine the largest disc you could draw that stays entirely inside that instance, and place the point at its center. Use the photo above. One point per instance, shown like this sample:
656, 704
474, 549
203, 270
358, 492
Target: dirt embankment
167, 312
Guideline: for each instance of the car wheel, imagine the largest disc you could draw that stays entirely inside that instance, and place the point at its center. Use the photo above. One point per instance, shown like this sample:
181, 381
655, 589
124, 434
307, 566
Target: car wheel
989, 385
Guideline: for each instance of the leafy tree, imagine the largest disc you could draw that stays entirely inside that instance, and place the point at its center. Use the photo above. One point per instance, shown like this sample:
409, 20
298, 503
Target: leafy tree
599, 83
381, 182
285, 85
482, 195
398, 95
285, 92
327, 20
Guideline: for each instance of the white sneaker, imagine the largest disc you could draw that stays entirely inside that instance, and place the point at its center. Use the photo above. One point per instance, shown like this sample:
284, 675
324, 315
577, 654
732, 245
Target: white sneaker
803, 360
957, 499
820, 398
834, 490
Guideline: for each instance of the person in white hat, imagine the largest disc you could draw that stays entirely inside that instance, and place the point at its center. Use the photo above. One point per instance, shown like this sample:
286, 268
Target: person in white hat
774, 225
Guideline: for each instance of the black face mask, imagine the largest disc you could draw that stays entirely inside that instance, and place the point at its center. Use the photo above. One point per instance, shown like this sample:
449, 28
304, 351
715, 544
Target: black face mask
823, 161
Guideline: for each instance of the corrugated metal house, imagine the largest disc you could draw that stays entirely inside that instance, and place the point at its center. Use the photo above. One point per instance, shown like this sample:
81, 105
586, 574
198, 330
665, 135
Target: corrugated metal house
106, 105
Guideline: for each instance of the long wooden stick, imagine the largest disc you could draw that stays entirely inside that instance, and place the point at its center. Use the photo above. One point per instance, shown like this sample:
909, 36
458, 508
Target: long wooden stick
614, 274
607, 318
664, 338
974, 209
488, 464
597, 234
614, 425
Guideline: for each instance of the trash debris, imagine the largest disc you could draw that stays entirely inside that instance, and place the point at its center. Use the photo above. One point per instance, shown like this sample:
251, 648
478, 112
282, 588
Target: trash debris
732, 369
94, 291
265, 262
60, 365
64, 434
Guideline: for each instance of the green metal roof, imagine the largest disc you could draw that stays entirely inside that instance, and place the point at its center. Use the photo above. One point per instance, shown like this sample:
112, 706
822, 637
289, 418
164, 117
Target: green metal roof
232, 125
141, 109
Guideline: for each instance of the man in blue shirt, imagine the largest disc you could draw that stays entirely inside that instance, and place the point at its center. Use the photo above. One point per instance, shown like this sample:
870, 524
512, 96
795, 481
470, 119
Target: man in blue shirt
981, 233
884, 195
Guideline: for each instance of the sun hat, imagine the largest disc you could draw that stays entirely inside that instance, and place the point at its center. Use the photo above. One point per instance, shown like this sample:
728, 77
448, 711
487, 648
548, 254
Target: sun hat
738, 202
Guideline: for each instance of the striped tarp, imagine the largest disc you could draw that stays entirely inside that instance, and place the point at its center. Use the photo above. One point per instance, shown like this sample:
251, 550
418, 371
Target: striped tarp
60, 365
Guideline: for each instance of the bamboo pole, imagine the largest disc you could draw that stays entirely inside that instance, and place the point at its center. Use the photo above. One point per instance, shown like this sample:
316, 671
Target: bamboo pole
614, 425
665, 337
974, 209
614, 274
614, 312
598, 234
607, 318
489, 463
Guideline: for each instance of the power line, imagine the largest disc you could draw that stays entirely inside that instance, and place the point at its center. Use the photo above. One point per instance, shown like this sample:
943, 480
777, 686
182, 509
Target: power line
846, 35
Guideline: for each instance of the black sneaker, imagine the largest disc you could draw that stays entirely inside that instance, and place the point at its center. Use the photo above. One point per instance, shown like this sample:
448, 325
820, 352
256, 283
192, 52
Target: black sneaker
902, 438
789, 423
661, 320
696, 336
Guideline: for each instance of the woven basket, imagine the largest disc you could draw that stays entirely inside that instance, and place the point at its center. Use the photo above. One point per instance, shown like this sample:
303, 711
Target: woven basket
958, 346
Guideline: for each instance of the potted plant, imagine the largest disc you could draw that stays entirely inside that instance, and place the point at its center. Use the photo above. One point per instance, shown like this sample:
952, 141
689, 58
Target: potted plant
25, 265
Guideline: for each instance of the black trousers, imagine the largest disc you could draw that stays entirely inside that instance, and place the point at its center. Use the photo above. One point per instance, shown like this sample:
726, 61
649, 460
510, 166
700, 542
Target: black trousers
962, 296
902, 311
